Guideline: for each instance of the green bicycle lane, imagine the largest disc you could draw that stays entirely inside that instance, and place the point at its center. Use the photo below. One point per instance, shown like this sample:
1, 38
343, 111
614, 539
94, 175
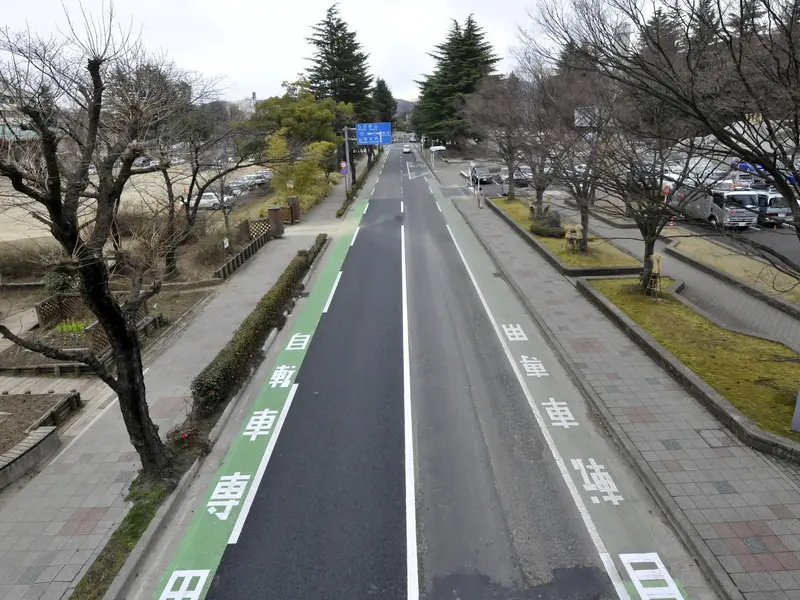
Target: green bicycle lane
225, 508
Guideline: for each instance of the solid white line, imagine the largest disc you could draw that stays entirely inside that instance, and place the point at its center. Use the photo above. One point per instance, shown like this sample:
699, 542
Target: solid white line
412, 567
333, 291
262, 466
605, 557
401, 206
437, 205
365, 209
355, 235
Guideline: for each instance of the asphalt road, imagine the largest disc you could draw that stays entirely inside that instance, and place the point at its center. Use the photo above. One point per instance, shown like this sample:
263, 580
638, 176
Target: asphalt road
328, 520
492, 510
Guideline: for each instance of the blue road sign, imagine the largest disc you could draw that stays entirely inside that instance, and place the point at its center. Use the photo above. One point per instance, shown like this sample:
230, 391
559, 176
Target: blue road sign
370, 134
344, 171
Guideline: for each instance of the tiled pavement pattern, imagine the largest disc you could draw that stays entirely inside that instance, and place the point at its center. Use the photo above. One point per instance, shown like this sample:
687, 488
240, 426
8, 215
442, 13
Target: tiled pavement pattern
743, 504
730, 306
52, 528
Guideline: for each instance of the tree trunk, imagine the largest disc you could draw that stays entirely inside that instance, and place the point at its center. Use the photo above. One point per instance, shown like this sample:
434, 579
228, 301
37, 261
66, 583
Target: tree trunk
511, 188
353, 176
647, 262
170, 255
539, 200
370, 155
585, 225
126, 351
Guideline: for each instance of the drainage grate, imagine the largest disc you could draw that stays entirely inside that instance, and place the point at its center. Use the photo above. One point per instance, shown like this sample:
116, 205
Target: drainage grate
498, 275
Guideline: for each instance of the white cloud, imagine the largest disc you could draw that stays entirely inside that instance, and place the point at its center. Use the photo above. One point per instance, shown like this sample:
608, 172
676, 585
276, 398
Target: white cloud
256, 45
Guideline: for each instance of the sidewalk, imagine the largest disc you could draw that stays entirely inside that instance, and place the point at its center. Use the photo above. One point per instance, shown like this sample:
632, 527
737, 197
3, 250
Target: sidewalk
52, 529
731, 306
743, 505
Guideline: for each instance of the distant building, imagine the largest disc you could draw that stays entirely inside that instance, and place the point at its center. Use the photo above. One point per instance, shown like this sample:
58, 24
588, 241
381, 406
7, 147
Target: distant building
248, 105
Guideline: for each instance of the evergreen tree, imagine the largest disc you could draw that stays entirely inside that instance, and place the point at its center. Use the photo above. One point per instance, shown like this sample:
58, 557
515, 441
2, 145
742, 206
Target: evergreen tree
747, 19
462, 61
339, 65
383, 102
705, 23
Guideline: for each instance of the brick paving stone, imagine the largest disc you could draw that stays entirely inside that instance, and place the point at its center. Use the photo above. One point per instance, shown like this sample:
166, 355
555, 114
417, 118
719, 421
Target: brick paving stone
742, 503
53, 527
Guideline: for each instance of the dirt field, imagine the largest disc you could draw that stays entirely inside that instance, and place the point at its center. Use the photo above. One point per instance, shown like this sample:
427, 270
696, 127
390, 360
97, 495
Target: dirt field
142, 193
17, 413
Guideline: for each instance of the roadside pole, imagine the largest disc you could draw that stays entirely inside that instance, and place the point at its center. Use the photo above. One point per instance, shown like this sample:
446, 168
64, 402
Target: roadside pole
347, 158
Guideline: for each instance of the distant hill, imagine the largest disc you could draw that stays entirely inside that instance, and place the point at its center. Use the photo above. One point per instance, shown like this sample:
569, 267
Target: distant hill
404, 106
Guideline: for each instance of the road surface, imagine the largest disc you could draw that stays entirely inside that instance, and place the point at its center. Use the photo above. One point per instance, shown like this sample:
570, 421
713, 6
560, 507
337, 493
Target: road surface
418, 439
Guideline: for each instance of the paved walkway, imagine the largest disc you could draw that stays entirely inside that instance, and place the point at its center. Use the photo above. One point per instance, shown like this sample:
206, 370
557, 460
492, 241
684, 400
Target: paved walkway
52, 529
743, 505
732, 307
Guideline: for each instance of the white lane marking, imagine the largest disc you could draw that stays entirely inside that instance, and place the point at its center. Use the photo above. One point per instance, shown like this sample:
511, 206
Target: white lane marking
669, 589
372, 193
412, 567
408, 168
262, 466
355, 235
333, 291
365, 209
605, 557
437, 205
94, 420
401, 206
429, 187
401, 189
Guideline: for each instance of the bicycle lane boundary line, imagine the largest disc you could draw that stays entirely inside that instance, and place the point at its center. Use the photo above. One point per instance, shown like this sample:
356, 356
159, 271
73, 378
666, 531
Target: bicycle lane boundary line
224, 511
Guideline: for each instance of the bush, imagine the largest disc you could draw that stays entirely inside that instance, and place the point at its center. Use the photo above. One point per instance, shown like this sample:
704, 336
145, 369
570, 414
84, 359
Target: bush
215, 384
209, 250
543, 229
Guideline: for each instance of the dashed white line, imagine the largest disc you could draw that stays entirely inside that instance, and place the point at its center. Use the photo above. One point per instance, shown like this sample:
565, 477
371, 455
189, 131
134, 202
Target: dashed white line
355, 235
437, 205
262, 466
401, 206
412, 567
429, 187
333, 291
608, 561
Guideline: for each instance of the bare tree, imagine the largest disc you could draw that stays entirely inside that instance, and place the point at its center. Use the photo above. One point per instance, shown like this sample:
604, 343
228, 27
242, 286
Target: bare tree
90, 101
495, 114
733, 78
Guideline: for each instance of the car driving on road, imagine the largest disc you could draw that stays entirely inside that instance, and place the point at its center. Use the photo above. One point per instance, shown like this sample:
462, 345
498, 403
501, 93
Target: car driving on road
406, 149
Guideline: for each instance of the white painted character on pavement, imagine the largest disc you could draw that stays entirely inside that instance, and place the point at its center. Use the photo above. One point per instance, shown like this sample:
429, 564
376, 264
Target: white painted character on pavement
597, 479
227, 494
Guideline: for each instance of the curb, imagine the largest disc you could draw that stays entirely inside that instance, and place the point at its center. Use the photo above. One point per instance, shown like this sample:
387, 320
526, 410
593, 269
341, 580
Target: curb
555, 261
781, 305
129, 571
718, 577
728, 415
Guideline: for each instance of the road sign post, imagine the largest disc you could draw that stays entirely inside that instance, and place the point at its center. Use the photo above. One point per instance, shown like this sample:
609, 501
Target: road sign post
373, 134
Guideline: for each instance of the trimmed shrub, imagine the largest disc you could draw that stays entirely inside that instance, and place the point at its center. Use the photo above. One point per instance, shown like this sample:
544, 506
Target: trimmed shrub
216, 384
543, 229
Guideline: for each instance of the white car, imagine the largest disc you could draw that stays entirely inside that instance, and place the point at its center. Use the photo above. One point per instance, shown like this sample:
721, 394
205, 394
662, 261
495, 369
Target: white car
210, 201
407, 149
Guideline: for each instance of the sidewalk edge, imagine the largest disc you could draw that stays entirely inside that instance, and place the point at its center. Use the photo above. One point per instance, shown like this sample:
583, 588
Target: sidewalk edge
715, 573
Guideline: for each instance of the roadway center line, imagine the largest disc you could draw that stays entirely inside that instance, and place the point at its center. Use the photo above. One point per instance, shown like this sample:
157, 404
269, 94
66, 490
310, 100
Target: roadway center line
401, 206
333, 291
412, 566
262, 466
355, 235
605, 557
437, 205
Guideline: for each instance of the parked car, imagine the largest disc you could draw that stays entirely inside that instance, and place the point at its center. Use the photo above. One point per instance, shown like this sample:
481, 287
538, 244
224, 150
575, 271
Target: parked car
503, 176
773, 209
211, 201
480, 175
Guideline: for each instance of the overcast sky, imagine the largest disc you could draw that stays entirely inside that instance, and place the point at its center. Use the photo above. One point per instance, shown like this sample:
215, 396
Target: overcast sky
256, 44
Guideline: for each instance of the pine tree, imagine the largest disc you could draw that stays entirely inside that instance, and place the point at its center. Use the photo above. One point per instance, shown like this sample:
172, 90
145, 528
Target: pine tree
747, 19
705, 23
339, 70
462, 61
383, 102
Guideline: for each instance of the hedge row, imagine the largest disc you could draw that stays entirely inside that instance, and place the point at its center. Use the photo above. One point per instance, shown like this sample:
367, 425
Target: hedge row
221, 378
542, 229
360, 181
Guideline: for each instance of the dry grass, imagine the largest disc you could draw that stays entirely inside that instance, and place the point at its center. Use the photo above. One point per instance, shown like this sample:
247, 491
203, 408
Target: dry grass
750, 270
601, 253
757, 376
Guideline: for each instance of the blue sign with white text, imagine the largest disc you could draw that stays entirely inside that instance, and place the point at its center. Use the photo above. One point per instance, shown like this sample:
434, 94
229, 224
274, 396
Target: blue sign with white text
372, 134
